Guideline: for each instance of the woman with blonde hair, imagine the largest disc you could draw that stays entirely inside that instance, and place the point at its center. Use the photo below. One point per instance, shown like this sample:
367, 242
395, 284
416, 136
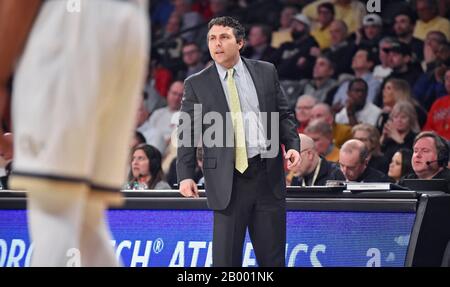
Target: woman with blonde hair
396, 90
400, 130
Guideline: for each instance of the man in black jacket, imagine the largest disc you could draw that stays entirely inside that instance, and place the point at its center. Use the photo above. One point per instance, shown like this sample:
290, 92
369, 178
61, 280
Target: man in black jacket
430, 158
353, 160
314, 170
293, 59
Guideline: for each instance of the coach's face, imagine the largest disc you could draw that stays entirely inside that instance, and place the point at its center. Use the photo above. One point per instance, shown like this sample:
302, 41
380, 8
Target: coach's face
223, 46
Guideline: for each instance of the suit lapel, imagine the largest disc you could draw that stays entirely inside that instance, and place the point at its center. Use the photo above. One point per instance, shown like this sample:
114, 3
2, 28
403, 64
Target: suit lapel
258, 82
217, 90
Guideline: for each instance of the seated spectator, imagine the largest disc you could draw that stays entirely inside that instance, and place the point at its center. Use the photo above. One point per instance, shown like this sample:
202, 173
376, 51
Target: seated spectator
192, 60
383, 70
322, 83
400, 129
362, 64
341, 132
189, 19
404, 23
430, 85
142, 116
321, 31
353, 160
159, 128
145, 169
439, 115
430, 158
349, 11
167, 47
303, 111
370, 136
396, 90
429, 20
357, 109
203, 8
400, 165
322, 135
400, 60
283, 34
258, 44
342, 48
433, 41
153, 99
371, 33
293, 59
313, 169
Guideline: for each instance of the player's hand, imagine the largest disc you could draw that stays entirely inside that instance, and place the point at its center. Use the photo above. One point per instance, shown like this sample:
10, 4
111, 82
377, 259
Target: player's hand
6, 146
188, 188
293, 158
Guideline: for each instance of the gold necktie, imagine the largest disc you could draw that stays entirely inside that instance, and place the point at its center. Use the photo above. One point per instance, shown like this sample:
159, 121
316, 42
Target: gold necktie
241, 162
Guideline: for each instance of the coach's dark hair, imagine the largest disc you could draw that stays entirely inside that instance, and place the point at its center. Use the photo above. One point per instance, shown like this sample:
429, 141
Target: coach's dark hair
227, 21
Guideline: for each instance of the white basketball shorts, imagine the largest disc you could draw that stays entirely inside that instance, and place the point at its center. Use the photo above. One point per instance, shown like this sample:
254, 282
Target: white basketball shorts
76, 92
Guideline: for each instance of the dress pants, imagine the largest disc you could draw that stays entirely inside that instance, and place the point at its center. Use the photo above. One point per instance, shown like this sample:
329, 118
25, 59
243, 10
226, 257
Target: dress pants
253, 205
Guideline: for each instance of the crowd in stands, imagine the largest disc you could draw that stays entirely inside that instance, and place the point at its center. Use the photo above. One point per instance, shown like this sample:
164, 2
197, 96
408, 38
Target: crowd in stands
362, 86
370, 91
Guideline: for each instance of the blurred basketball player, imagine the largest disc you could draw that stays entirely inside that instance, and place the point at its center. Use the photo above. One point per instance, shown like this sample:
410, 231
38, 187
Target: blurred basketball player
75, 94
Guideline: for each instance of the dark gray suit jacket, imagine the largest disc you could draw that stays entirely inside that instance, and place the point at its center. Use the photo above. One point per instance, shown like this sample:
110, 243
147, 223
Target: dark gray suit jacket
206, 89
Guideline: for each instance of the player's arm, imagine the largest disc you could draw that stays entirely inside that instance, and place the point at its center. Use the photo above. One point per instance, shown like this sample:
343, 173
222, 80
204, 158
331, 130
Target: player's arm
16, 20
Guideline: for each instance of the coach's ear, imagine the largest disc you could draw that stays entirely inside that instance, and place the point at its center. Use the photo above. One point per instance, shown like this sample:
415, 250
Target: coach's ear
209, 163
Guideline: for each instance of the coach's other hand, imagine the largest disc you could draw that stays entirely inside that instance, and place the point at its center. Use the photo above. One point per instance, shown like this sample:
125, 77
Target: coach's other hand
188, 188
293, 158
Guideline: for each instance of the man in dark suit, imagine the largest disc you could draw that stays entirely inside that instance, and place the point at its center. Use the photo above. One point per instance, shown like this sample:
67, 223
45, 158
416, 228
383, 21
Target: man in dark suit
244, 178
314, 169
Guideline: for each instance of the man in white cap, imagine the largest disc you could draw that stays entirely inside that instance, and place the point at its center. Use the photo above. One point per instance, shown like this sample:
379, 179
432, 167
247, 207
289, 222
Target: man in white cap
293, 59
370, 34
